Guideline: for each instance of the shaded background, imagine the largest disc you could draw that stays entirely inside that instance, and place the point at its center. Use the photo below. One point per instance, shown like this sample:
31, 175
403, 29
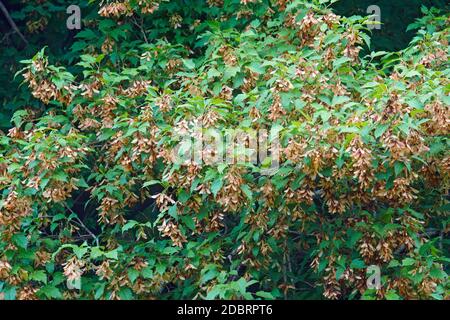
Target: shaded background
396, 15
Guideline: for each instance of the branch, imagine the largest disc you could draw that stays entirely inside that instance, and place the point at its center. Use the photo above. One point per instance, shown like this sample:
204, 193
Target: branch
139, 25
11, 22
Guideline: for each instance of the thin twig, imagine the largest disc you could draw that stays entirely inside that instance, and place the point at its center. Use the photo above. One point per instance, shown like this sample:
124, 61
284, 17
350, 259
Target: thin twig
7, 36
306, 282
284, 274
11, 22
141, 28
78, 220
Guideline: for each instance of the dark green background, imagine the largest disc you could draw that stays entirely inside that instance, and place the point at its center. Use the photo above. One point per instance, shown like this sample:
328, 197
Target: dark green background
395, 18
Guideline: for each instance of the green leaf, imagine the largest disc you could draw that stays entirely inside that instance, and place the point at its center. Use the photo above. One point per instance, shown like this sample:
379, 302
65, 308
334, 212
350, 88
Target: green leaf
248, 192
40, 276
357, 264
133, 274
213, 73
161, 268
82, 183
96, 252
189, 222
392, 295
438, 273
20, 240
80, 251
147, 273
126, 293
265, 295
408, 262
188, 63
112, 254
216, 186
381, 128
51, 292
398, 168
129, 225
339, 272
339, 100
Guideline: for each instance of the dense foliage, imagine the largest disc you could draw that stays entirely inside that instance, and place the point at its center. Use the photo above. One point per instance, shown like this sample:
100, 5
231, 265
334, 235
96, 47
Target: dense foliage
96, 204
